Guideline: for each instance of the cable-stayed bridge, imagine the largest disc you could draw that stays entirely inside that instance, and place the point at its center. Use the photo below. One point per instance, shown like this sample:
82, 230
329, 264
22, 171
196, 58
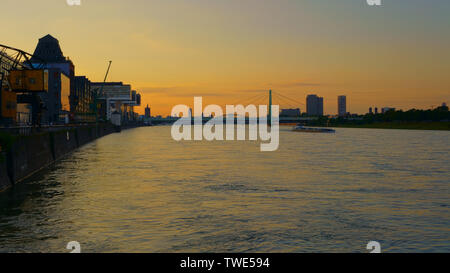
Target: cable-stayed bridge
268, 98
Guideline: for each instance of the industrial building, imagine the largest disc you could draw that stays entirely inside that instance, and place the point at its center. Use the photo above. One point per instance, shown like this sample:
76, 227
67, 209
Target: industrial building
117, 97
20, 79
56, 102
82, 99
42, 89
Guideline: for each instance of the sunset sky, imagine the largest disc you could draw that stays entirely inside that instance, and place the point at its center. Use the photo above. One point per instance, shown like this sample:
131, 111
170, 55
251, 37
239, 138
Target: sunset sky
397, 55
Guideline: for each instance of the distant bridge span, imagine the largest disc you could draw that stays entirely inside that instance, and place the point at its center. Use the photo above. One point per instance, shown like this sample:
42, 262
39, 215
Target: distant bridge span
283, 120
261, 98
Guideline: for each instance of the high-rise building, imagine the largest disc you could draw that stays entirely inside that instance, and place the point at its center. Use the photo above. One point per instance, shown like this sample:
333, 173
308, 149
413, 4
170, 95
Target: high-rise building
314, 105
320, 106
342, 106
376, 110
371, 110
147, 112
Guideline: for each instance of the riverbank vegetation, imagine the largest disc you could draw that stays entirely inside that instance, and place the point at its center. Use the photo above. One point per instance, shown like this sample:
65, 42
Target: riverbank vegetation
432, 119
443, 126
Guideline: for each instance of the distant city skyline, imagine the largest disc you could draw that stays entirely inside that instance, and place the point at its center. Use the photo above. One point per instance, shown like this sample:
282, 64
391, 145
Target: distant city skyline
170, 51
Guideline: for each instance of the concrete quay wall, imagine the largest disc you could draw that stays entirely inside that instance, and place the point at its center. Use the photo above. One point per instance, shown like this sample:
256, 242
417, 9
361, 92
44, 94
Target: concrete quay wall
30, 154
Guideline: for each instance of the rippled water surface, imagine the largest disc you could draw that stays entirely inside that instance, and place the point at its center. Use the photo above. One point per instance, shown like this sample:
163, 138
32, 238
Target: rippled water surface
140, 191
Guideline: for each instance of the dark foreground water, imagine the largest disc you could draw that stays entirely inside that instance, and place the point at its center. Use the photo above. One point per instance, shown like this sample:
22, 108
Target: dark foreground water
140, 191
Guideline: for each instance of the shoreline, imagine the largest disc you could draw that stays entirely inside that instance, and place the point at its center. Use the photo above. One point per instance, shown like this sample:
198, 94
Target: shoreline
429, 126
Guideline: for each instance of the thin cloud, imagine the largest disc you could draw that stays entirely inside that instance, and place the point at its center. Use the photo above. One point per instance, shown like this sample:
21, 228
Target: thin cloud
180, 92
296, 84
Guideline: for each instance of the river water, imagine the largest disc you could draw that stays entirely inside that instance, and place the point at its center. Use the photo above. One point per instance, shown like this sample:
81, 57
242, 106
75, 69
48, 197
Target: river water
140, 191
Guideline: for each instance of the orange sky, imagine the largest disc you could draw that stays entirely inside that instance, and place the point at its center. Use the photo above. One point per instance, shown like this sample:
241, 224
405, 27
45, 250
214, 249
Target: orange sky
229, 50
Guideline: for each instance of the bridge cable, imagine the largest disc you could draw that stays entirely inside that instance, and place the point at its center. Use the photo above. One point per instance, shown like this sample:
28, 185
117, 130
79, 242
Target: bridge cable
243, 102
290, 99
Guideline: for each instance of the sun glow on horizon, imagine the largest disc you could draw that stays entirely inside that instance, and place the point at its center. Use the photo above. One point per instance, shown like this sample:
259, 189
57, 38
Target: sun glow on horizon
170, 51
